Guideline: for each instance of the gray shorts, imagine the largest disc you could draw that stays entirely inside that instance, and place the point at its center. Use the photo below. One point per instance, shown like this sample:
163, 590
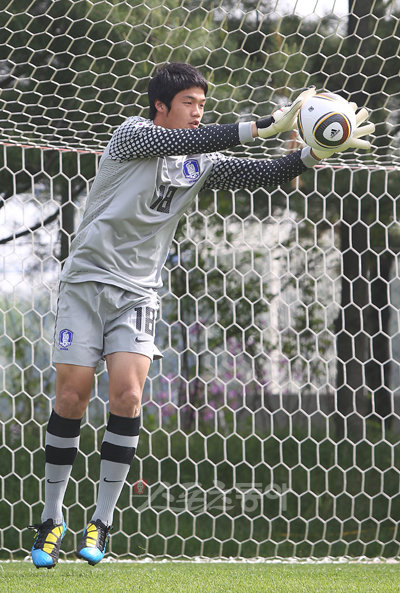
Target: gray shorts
95, 319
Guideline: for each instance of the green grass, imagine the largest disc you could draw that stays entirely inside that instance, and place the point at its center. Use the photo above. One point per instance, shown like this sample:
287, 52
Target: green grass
21, 577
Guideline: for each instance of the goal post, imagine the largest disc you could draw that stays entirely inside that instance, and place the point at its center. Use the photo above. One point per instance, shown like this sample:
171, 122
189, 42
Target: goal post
270, 427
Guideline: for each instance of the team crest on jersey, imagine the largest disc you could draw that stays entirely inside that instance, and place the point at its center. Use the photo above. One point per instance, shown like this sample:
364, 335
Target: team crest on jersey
65, 339
191, 169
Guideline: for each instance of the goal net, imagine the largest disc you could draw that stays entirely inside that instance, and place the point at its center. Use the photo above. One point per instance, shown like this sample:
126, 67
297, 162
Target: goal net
270, 427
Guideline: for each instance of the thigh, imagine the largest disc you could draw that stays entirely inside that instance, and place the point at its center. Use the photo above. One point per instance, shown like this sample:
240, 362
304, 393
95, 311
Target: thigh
73, 388
127, 373
78, 334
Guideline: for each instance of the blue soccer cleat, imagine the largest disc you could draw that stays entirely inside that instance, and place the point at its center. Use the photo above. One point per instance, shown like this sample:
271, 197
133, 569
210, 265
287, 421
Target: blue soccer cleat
92, 546
46, 546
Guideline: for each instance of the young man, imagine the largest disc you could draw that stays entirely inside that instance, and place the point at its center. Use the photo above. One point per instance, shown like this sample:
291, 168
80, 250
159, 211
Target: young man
149, 175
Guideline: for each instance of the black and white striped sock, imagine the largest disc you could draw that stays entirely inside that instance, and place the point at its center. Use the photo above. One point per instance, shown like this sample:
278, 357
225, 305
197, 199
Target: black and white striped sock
117, 452
62, 442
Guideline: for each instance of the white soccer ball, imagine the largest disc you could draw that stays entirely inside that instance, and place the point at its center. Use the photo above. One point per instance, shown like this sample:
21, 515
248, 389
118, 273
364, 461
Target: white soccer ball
326, 121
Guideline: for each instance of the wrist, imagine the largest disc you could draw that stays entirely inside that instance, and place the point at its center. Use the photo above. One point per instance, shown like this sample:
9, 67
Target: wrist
308, 157
312, 153
246, 132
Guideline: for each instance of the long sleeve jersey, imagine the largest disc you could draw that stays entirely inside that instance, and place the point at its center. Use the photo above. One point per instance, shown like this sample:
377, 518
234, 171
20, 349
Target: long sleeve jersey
148, 178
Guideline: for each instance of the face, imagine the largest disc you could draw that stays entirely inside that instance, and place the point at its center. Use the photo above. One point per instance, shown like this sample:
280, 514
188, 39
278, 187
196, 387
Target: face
187, 108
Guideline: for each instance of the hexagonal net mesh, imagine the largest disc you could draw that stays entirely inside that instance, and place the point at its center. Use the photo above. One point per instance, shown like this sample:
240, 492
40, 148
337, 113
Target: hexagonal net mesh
270, 426
72, 70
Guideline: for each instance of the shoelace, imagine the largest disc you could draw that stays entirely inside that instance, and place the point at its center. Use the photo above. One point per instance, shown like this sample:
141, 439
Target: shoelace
103, 532
42, 531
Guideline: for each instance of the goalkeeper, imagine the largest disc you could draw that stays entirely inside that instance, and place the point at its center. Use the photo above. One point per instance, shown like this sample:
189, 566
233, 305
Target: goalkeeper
148, 177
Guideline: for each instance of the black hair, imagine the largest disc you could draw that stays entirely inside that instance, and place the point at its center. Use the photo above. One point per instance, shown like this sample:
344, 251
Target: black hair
170, 80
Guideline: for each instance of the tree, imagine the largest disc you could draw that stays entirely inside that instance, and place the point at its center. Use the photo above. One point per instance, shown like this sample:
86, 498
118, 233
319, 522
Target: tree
362, 333
74, 70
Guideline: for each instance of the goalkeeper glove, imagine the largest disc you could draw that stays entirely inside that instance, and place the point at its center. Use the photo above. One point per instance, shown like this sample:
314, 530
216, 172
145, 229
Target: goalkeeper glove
284, 118
355, 140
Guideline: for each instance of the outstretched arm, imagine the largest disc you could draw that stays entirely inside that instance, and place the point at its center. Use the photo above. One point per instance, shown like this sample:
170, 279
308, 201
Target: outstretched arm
237, 173
140, 138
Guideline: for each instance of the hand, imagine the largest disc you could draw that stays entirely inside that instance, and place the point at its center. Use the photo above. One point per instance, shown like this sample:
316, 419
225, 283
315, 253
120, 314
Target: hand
283, 119
355, 141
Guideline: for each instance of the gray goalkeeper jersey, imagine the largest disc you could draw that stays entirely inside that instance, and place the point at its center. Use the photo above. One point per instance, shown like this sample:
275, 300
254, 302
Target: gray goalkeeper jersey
148, 178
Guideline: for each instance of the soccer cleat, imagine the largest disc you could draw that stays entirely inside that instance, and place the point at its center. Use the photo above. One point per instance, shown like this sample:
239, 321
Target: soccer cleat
46, 547
92, 546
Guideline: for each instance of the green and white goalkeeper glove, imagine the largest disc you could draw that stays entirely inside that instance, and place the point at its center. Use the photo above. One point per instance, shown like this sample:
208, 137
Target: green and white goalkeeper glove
355, 141
283, 119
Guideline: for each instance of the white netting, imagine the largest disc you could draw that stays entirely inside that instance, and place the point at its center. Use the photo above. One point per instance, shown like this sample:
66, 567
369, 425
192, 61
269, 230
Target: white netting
270, 427
71, 71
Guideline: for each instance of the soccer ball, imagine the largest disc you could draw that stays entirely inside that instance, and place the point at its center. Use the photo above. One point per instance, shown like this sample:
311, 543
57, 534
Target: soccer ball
326, 121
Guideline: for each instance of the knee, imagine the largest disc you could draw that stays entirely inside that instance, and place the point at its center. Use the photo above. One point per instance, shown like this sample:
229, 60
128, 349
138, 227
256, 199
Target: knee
71, 402
126, 403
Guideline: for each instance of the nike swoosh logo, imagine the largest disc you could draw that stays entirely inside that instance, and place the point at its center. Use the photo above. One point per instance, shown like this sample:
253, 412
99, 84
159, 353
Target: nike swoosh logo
54, 481
112, 481
141, 340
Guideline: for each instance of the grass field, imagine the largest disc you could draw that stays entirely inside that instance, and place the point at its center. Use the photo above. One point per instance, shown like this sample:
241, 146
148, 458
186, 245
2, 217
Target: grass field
22, 577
